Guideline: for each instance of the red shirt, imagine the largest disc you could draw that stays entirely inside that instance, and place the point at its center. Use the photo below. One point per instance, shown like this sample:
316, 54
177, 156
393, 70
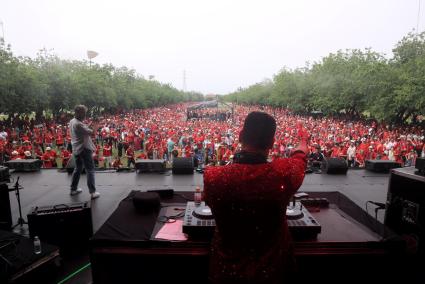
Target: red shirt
129, 153
142, 156
47, 162
48, 139
107, 151
233, 193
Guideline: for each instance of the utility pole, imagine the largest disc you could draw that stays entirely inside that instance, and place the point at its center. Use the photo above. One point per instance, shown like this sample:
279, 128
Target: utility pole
184, 80
2, 31
419, 14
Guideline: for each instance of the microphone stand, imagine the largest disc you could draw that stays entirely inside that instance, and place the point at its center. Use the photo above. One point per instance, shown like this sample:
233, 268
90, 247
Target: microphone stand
21, 220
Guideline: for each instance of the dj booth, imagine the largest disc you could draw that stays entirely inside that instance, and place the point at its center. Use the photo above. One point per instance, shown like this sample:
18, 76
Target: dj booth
124, 249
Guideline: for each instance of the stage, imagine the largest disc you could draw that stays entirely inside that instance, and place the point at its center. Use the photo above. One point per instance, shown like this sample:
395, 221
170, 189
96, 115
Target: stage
49, 187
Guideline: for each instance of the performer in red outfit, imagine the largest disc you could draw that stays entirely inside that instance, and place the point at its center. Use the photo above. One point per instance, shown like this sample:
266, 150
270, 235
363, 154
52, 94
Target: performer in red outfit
248, 200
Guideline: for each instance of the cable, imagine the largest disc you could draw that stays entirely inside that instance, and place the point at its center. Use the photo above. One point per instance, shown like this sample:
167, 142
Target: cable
75, 273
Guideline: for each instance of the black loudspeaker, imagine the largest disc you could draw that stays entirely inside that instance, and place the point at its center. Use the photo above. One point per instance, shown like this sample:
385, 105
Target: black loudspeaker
70, 166
150, 166
5, 213
381, 166
335, 166
4, 174
405, 207
68, 226
182, 166
24, 165
420, 165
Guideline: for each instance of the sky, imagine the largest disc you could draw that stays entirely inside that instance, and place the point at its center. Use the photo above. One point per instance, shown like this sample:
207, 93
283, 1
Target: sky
220, 45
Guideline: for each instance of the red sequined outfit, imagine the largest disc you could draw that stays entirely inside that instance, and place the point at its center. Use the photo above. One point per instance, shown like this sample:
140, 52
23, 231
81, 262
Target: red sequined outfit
251, 242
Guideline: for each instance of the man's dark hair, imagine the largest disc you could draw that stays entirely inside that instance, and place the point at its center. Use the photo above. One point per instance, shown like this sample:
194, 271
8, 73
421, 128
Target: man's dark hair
258, 130
80, 108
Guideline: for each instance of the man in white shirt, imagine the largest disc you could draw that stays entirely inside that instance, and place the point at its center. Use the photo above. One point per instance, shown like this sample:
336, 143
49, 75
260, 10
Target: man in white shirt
82, 149
351, 154
3, 135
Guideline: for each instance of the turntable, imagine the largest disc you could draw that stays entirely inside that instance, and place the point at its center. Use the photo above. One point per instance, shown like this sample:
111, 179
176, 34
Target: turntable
301, 223
199, 222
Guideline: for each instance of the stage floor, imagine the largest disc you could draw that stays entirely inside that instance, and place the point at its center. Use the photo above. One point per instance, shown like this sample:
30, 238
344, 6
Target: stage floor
50, 187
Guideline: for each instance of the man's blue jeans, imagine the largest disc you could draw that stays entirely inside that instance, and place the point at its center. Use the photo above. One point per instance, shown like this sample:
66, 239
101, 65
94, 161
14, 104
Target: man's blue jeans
84, 158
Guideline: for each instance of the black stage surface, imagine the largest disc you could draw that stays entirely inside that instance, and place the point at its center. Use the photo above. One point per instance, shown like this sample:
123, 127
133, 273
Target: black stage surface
50, 187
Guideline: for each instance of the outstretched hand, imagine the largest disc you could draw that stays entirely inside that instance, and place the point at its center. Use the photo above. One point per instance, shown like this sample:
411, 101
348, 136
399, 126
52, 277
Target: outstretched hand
302, 132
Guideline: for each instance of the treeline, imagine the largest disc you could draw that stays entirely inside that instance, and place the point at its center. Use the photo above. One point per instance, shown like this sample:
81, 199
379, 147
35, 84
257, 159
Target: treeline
50, 84
360, 83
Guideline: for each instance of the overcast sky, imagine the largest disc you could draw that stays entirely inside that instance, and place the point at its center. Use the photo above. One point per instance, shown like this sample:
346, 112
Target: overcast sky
222, 44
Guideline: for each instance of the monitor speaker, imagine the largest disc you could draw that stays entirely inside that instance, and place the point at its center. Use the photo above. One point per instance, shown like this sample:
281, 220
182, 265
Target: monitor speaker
335, 166
150, 166
381, 166
70, 166
182, 166
24, 165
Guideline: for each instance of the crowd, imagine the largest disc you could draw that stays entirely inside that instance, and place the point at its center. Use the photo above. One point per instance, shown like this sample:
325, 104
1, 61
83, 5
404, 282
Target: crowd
220, 115
165, 133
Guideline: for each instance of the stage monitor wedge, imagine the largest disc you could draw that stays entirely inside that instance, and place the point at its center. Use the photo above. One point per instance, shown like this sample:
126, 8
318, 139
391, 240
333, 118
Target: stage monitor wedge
24, 165
420, 165
335, 166
150, 166
381, 166
183, 166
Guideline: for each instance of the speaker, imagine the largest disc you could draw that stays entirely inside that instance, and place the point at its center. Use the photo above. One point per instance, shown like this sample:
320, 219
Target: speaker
70, 166
420, 165
182, 166
5, 213
381, 166
150, 166
68, 226
405, 206
335, 166
4, 174
24, 165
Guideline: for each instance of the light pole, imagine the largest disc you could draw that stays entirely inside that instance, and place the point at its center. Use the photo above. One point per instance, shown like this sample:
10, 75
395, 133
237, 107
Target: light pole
91, 54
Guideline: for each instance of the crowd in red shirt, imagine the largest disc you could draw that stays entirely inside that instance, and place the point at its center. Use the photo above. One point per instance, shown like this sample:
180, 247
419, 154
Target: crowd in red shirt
167, 132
